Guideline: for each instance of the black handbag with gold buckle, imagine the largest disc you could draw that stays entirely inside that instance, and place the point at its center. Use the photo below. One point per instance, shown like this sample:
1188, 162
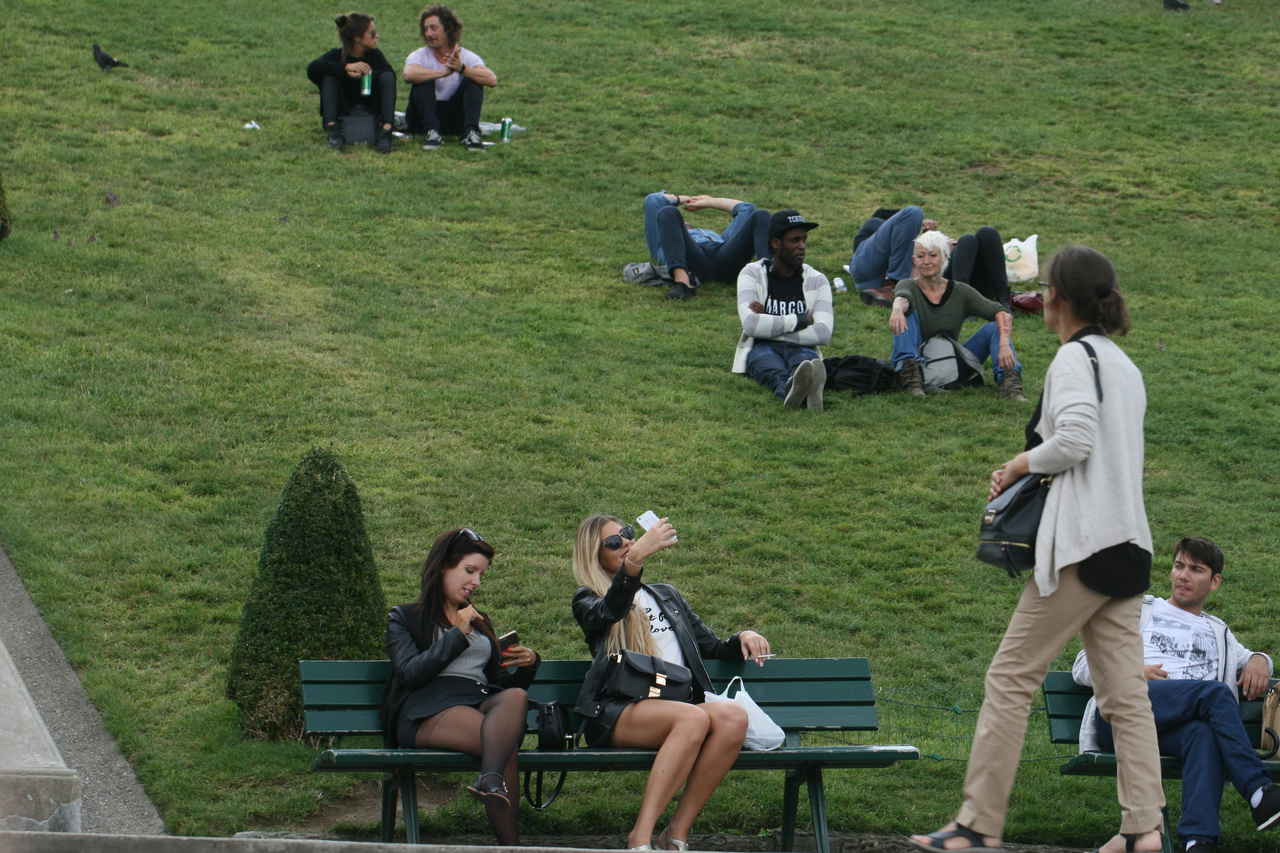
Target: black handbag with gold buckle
634, 676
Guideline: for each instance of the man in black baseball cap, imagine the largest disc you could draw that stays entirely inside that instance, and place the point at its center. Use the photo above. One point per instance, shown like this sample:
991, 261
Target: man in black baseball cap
785, 308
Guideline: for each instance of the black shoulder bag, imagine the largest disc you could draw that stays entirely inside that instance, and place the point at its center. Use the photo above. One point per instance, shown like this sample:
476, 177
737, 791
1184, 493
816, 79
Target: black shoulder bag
1007, 534
555, 734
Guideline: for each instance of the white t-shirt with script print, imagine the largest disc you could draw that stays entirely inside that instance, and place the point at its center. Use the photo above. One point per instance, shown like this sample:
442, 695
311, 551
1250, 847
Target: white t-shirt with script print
664, 636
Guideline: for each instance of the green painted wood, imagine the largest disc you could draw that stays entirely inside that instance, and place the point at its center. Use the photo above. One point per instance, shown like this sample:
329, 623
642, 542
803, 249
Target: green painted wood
351, 760
345, 670
792, 668
328, 694
1064, 730
1060, 681
343, 722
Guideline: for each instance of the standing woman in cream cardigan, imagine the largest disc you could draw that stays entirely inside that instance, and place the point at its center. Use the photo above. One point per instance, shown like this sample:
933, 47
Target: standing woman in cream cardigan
1093, 561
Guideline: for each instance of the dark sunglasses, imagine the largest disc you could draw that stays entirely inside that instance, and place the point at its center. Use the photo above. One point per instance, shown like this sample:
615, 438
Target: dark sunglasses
614, 542
467, 532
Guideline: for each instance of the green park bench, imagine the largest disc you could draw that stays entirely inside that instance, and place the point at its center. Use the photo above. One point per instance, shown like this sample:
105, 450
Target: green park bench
1064, 705
342, 698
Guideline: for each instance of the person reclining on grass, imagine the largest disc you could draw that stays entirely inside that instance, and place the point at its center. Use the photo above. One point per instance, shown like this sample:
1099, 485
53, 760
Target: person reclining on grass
446, 83
684, 255
882, 258
785, 309
1195, 668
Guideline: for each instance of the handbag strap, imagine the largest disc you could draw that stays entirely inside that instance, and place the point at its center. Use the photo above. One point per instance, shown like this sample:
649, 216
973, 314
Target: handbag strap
1093, 360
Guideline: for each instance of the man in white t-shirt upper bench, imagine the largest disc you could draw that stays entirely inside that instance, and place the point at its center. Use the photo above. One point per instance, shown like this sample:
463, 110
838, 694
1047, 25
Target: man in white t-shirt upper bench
446, 83
1195, 669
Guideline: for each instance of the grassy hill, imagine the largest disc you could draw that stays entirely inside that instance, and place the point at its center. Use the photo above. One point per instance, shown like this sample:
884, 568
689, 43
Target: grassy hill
187, 307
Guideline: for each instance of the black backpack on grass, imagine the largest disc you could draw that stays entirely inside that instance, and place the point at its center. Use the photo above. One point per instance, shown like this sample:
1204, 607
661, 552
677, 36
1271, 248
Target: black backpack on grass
860, 374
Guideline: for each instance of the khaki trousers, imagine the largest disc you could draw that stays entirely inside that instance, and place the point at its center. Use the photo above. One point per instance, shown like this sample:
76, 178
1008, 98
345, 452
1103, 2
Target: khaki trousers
1040, 628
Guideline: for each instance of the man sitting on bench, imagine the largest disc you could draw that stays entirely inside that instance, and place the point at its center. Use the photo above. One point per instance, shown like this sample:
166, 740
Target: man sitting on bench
1195, 669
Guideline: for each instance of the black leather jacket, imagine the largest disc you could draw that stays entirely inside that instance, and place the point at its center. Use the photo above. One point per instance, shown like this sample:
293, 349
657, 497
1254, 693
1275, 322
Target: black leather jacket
416, 660
597, 614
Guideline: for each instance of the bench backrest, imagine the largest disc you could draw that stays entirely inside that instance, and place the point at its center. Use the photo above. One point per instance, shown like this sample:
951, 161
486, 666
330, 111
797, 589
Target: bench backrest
344, 697
1065, 700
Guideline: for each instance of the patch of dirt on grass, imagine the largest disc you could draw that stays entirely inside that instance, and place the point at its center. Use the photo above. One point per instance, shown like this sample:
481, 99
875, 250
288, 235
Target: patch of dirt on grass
363, 806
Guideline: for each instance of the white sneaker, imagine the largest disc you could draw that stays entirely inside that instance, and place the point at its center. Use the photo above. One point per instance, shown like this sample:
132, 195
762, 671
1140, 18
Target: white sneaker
432, 140
818, 382
801, 386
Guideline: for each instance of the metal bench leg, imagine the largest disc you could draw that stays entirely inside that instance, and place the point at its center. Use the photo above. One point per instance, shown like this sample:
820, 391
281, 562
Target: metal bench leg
790, 800
818, 805
409, 799
1167, 845
388, 807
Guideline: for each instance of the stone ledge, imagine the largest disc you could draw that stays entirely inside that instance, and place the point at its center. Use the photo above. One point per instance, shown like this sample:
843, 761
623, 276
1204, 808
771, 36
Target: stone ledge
38, 793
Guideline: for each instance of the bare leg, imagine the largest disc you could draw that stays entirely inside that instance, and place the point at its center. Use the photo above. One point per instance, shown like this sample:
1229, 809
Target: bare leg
677, 730
719, 751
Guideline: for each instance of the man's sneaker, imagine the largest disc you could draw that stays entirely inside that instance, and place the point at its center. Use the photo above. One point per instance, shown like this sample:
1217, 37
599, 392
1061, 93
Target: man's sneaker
336, 139
801, 385
643, 272
471, 140
432, 140
1267, 811
383, 142
819, 381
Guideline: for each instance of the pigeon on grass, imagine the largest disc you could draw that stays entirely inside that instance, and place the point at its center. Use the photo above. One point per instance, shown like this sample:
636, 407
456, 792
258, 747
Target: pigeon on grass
105, 60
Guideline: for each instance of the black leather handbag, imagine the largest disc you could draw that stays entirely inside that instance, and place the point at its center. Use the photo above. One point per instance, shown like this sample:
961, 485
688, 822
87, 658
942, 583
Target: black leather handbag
553, 726
634, 676
555, 734
1007, 537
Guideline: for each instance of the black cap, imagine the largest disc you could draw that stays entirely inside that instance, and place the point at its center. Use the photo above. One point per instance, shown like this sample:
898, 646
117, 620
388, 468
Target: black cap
784, 220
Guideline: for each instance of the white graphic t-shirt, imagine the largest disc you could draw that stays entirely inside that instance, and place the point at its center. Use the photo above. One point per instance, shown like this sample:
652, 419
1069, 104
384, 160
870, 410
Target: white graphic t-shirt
447, 85
1182, 643
664, 636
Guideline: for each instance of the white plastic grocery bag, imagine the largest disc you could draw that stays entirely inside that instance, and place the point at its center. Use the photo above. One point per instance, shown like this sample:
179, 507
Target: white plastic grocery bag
763, 734
1021, 263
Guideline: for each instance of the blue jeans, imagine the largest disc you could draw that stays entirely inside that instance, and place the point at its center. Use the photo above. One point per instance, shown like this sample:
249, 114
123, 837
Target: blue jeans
1199, 721
887, 252
984, 344
771, 363
704, 253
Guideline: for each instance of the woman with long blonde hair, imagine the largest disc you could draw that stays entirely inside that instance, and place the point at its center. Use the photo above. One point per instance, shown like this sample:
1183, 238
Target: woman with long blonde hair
697, 742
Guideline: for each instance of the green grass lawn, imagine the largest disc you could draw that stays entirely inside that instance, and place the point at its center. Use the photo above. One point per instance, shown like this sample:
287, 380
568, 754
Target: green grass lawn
453, 326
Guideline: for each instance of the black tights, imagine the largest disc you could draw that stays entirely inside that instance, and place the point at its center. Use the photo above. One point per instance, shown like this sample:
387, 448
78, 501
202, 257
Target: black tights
493, 731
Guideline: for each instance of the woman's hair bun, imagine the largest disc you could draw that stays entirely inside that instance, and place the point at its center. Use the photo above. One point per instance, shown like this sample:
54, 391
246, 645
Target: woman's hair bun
341, 21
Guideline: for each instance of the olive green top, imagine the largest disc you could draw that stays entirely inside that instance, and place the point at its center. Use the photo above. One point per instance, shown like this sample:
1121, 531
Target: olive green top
959, 301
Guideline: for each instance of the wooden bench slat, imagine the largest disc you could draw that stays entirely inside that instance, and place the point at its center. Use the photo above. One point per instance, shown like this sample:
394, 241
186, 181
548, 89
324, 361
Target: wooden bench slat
344, 722
344, 670
351, 760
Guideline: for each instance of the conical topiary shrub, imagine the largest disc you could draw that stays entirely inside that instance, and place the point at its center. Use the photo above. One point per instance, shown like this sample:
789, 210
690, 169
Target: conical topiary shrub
316, 596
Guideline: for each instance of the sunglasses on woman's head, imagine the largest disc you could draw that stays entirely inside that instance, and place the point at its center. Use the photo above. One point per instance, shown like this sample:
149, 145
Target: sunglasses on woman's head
467, 532
614, 542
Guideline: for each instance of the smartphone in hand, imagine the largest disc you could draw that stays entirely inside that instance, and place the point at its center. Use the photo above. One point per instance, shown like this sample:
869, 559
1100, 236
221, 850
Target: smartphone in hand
649, 519
508, 639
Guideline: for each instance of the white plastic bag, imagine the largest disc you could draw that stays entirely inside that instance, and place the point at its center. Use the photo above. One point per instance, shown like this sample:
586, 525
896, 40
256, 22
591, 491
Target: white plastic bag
1021, 263
763, 734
